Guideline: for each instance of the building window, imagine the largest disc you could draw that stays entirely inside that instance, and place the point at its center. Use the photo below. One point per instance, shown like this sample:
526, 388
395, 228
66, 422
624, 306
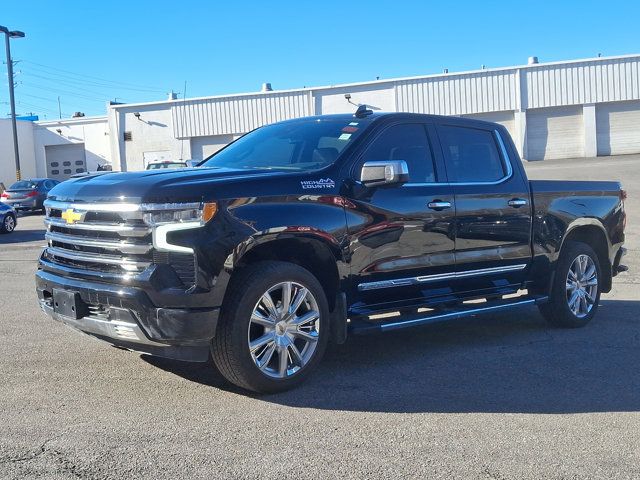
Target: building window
128, 136
67, 171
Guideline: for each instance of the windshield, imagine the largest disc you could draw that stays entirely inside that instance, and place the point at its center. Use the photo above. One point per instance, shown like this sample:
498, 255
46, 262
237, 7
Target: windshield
23, 185
301, 145
155, 166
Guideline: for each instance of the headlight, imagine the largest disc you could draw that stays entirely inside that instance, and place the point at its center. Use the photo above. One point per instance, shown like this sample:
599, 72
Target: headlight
163, 213
172, 217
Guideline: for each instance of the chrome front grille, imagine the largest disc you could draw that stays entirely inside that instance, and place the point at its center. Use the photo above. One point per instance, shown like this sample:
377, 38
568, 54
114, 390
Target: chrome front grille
107, 238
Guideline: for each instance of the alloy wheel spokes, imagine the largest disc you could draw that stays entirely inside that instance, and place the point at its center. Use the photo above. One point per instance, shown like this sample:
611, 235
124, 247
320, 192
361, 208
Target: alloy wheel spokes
261, 319
283, 361
266, 355
582, 285
284, 329
261, 341
270, 307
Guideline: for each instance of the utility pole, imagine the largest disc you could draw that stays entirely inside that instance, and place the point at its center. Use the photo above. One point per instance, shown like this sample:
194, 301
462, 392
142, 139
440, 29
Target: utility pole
59, 109
7, 36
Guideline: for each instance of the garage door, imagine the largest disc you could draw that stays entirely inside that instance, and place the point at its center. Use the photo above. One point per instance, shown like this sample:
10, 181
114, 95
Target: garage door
555, 133
65, 160
503, 118
202, 147
618, 128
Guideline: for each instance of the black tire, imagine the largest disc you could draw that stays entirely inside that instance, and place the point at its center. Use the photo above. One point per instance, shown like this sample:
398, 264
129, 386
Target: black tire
6, 226
557, 311
230, 347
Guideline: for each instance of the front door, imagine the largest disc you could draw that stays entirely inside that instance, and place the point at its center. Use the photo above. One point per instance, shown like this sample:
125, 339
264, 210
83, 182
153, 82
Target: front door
493, 212
402, 240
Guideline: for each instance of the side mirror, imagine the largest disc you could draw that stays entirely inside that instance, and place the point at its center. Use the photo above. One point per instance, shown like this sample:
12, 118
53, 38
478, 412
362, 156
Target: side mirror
387, 172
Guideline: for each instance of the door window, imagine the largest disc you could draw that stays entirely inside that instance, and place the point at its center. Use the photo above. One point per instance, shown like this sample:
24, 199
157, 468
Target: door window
471, 154
406, 142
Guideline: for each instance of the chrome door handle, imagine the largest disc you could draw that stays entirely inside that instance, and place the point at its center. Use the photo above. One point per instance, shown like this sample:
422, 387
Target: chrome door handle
517, 202
438, 205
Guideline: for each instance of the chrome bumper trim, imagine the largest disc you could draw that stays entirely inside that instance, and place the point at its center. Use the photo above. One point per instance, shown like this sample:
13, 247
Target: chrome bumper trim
115, 329
122, 229
93, 207
121, 246
126, 263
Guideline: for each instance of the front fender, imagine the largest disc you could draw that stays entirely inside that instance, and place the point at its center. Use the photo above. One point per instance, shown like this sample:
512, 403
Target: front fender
316, 219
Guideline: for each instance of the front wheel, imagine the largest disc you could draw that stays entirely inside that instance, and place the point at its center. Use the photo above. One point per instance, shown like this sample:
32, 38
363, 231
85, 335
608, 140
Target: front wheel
575, 293
8, 224
273, 328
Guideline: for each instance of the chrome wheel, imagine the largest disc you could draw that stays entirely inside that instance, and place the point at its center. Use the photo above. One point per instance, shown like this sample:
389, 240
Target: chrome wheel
284, 329
9, 223
582, 285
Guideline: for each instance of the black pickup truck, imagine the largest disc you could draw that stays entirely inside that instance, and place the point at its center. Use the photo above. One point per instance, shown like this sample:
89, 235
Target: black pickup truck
304, 231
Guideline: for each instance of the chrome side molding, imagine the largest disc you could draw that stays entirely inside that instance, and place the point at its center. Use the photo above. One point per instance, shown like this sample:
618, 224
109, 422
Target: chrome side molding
400, 282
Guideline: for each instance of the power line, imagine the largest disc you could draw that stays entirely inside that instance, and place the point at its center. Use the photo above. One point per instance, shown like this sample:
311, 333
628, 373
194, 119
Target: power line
156, 89
83, 81
68, 84
38, 107
22, 94
66, 92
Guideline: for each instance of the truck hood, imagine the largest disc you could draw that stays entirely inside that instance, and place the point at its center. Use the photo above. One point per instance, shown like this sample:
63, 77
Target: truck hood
166, 185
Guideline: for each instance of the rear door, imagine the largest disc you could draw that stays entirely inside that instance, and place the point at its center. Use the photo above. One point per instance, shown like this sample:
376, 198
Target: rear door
493, 211
402, 249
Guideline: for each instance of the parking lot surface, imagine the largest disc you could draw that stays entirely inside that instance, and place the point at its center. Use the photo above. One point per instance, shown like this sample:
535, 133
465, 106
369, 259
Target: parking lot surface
491, 397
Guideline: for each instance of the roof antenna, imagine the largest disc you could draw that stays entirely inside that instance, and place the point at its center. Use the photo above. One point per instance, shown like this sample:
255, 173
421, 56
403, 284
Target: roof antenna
362, 111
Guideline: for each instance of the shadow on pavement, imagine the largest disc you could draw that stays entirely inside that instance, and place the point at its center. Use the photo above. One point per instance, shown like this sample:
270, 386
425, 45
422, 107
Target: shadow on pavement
22, 236
506, 364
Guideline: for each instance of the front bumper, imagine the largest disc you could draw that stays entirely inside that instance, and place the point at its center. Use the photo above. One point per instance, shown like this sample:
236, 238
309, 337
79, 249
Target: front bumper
126, 317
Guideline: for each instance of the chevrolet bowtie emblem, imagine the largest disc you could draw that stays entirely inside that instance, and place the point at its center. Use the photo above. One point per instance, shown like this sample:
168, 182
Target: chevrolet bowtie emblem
70, 216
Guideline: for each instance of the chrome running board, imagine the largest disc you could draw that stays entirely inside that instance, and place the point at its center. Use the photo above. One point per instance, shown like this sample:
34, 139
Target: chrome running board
369, 326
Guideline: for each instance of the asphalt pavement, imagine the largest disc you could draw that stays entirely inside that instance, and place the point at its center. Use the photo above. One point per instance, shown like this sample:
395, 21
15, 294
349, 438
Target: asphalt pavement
490, 397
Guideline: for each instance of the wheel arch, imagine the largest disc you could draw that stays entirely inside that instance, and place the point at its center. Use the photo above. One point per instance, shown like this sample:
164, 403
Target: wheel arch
310, 252
592, 233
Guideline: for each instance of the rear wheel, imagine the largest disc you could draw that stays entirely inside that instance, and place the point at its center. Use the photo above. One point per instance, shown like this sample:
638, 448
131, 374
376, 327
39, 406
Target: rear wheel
575, 293
273, 329
8, 224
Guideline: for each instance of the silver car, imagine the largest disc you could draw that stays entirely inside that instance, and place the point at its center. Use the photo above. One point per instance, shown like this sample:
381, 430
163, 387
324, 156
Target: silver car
28, 194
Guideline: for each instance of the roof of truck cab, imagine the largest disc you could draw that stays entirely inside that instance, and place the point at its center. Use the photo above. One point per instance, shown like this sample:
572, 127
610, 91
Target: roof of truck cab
375, 116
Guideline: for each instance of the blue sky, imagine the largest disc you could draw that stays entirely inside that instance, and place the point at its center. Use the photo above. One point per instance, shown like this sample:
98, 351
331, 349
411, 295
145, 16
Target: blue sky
88, 52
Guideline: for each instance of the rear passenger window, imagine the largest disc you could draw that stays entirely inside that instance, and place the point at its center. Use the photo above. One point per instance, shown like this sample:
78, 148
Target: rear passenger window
404, 142
471, 154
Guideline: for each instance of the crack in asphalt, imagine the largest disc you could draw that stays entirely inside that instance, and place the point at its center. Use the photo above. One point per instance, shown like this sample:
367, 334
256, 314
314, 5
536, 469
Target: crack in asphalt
35, 454
65, 465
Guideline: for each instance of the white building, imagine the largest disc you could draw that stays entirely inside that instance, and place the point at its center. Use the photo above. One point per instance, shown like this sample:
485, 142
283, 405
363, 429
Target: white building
579, 108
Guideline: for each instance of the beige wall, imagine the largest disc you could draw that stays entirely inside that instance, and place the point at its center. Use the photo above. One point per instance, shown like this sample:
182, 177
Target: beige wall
26, 151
